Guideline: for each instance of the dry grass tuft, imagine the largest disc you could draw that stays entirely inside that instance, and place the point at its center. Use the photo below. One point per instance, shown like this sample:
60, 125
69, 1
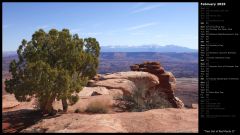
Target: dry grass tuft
98, 106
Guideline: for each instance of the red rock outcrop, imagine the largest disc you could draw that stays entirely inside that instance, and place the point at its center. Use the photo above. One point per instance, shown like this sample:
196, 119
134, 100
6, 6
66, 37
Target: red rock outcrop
149, 76
167, 81
151, 67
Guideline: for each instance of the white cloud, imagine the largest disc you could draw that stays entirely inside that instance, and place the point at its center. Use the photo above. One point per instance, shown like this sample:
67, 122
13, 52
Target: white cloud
146, 8
91, 33
142, 26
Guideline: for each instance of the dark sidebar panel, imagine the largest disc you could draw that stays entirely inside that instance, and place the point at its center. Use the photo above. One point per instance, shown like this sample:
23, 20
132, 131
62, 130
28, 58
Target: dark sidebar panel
219, 40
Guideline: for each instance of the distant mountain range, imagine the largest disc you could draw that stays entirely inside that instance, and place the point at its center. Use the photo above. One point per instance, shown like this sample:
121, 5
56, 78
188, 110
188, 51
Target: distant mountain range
142, 48
147, 48
9, 53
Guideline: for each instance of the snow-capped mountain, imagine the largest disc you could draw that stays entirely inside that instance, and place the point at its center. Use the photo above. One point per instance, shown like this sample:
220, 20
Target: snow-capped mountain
146, 48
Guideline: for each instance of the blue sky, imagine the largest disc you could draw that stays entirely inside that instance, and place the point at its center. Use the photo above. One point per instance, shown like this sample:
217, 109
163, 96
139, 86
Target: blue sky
110, 23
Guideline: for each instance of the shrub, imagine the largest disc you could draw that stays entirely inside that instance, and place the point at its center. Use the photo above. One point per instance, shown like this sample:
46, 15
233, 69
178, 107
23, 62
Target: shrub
117, 96
97, 106
157, 101
137, 102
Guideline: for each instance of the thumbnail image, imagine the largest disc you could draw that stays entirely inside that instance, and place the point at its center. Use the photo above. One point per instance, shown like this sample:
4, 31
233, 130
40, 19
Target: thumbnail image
100, 67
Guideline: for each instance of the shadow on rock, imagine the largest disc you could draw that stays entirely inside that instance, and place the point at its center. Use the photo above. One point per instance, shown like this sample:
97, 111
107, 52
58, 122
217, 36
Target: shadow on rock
15, 121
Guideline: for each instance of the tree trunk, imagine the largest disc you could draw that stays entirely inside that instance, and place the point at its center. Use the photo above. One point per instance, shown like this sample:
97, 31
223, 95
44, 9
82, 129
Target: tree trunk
65, 104
46, 106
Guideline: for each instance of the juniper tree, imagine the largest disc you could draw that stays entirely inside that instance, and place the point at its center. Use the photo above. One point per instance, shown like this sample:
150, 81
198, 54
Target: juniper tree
53, 65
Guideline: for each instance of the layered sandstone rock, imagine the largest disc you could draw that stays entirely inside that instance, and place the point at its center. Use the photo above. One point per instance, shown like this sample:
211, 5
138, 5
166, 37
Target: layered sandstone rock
148, 77
125, 85
91, 91
167, 81
151, 67
127, 82
149, 80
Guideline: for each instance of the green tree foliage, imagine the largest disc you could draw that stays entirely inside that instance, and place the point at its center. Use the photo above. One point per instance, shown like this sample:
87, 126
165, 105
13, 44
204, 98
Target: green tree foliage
53, 65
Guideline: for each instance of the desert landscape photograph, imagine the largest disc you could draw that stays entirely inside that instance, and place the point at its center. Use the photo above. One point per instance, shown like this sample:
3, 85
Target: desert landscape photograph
92, 67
